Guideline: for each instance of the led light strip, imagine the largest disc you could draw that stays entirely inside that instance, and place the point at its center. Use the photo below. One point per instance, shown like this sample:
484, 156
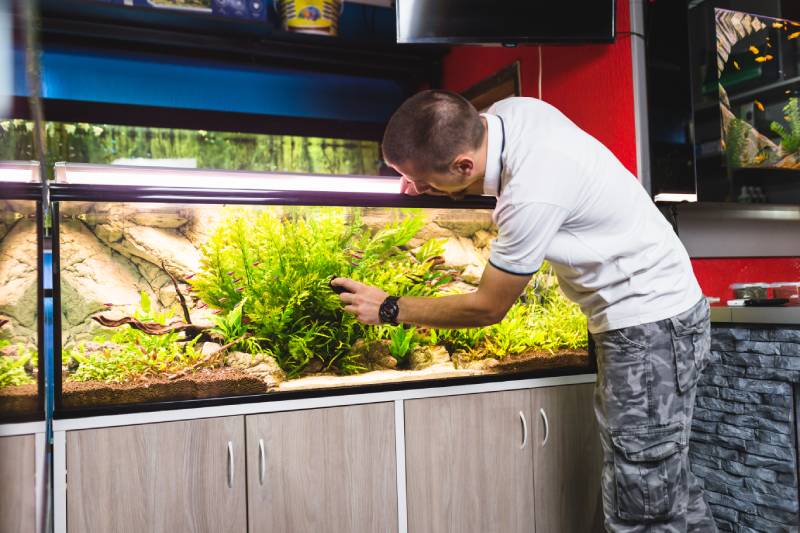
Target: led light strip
135, 176
19, 172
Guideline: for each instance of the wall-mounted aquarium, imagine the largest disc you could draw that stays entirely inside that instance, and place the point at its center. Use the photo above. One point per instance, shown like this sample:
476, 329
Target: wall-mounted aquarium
183, 285
20, 292
723, 82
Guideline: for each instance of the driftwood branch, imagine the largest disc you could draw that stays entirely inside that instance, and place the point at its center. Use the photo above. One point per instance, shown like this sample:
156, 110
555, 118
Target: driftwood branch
179, 293
3, 322
152, 328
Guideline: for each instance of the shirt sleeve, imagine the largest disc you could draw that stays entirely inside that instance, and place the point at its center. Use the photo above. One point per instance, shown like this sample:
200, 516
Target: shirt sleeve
526, 230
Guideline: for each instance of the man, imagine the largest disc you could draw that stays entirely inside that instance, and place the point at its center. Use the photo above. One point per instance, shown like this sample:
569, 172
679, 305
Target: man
564, 197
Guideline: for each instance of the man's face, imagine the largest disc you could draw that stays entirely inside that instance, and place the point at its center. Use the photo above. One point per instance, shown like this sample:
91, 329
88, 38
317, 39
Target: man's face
452, 184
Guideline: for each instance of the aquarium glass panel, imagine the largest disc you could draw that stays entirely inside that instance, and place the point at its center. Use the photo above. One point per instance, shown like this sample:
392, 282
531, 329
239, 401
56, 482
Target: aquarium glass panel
133, 145
18, 309
168, 302
745, 76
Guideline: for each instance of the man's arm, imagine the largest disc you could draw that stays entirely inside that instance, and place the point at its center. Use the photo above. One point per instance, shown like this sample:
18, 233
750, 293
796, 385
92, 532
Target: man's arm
496, 294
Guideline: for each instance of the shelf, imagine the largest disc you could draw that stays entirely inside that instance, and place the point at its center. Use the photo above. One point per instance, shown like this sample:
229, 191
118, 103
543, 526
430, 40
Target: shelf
251, 43
756, 315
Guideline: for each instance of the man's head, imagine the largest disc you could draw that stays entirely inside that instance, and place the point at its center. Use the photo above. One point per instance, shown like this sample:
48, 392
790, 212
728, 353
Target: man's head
437, 140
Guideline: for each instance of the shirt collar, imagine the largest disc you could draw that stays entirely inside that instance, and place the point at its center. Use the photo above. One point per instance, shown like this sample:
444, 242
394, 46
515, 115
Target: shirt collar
494, 149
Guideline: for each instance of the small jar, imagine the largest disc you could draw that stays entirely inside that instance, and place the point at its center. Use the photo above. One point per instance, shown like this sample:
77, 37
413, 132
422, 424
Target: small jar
750, 291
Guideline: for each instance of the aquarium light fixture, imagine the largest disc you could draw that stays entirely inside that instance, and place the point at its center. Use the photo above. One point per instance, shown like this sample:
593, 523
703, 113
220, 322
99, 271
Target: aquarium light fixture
19, 172
137, 176
675, 197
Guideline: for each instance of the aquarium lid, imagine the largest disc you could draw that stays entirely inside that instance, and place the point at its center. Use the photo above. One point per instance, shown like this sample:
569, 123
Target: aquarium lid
116, 183
140, 176
19, 172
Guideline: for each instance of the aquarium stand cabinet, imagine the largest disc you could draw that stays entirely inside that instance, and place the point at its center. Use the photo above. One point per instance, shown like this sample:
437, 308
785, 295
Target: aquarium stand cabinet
513, 456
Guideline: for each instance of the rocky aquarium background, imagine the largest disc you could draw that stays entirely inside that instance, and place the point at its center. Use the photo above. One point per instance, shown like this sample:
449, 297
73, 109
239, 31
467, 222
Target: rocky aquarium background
163, 302
18, 307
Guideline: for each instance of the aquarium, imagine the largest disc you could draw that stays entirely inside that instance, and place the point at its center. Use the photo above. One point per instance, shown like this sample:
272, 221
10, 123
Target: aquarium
183, 285
20, 293
745, 72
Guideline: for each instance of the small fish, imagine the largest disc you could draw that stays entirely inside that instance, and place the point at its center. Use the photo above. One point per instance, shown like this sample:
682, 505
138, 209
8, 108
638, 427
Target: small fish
769, 44
223, 300
777, 24
108, 305
237, 280
231, 272
794, 35
754, 50
190, 276
759, 105
256, 263
354, 264
239, 289
763, 59
736, 65
216, 311
202, 305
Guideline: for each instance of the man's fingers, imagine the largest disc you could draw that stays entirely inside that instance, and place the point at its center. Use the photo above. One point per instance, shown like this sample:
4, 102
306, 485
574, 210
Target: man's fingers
348, 284
347, 297
351, 309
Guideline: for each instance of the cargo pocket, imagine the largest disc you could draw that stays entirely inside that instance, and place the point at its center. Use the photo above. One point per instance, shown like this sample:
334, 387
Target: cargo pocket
689, 344
648, 472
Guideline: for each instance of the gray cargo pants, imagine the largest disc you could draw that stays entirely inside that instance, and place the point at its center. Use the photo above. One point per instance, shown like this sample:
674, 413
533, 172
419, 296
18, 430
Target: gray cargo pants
644, 399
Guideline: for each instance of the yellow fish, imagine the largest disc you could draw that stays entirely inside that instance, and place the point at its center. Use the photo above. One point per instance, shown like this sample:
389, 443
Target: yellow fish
777, 24
762, 59
794, 35
736, 65
754, 50
759, 105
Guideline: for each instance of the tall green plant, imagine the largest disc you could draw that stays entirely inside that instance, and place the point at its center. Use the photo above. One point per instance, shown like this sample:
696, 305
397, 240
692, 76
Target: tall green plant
790, 139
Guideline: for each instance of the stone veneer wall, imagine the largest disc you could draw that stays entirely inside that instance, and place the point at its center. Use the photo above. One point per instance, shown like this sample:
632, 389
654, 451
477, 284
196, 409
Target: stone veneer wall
744, 444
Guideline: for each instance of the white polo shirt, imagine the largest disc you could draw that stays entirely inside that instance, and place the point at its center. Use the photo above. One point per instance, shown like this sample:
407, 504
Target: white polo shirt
564, 197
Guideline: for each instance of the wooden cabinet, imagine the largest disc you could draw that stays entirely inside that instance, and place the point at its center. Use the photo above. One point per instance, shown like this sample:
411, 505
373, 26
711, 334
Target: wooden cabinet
469, 463
323, 470
168, 477
17, 480
567, 460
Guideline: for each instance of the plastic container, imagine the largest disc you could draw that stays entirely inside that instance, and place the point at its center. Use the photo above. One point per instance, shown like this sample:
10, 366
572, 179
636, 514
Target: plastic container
787, 289
310, 16
749, 291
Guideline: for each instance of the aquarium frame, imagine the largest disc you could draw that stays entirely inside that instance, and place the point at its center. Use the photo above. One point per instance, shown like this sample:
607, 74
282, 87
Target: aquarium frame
32, 192
107, 193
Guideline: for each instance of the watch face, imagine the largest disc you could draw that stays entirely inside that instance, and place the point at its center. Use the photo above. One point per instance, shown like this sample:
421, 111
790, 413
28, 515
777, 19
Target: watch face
389, 310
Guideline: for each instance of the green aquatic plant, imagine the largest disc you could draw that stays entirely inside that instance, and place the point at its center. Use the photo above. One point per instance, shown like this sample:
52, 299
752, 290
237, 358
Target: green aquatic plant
12, 369
403, 341
735, 137
281, 264
790, 139
131, 353
127, 362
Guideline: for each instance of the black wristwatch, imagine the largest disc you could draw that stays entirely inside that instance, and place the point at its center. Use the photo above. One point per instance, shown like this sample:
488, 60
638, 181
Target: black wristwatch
389, 310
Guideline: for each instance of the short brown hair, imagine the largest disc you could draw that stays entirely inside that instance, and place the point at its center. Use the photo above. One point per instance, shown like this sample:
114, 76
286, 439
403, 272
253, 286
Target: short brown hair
431, 128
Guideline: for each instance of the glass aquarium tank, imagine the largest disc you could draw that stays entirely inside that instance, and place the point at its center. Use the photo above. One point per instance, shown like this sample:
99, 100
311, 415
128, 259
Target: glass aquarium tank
184, 285
745, 71
20, 292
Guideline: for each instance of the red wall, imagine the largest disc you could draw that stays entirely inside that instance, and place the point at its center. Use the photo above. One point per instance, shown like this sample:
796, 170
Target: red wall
593, 85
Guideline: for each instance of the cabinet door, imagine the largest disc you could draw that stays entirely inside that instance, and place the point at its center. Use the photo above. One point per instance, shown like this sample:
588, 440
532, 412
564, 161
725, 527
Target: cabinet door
160, 478
17, 484
469, 464
323, 470
567, 460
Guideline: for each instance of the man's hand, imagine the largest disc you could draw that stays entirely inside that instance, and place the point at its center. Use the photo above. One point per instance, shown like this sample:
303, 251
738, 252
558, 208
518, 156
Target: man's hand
361, 300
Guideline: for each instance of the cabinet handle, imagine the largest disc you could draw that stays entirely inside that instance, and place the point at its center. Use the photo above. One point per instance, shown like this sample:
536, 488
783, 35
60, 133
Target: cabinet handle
230, 464
524, 430
546, 425
262, 462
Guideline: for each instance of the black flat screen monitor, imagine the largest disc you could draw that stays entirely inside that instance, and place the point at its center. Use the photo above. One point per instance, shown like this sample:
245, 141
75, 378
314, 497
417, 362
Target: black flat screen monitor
506, 22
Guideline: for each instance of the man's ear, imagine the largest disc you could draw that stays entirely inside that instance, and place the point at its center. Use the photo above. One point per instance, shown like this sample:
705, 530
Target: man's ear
463, 165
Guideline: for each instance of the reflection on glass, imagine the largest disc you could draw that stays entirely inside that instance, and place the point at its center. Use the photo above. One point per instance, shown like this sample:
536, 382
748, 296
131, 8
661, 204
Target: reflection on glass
168, 302
131, 145
18, 309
